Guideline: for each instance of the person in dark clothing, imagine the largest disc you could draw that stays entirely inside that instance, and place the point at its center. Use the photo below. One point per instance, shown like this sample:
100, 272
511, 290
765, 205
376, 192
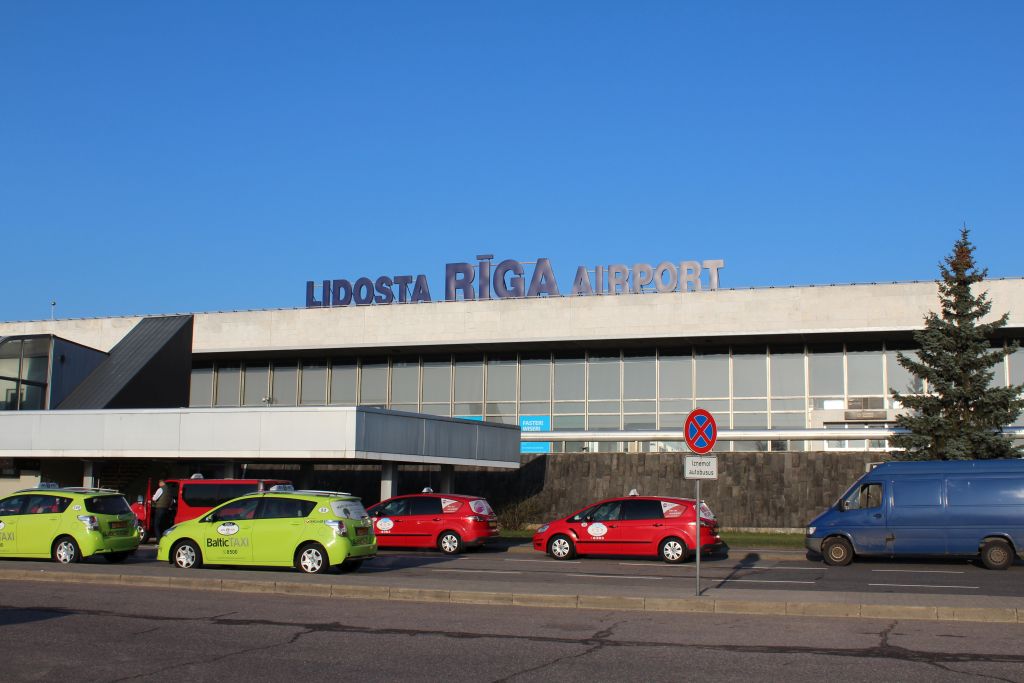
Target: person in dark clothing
162, 500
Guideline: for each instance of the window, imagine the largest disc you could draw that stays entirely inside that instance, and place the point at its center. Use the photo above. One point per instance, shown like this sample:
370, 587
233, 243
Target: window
314, 383
395, 508
50, 505
212, 495
982, 491
285, 508
285, 384
105, 505
13, 505
343, 383
236, 511
373, 385
405, 385
604, 379
864, 371
642, 509
229, 382
201, 386
749, 373
535, 379
607, 512
469, 386
825, 365
917, 492
424, 505
256, 378
712, 372
787, 373
864, 497
437, 385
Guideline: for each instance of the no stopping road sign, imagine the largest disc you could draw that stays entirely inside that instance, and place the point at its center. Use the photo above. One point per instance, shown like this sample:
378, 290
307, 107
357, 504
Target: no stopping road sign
700, 431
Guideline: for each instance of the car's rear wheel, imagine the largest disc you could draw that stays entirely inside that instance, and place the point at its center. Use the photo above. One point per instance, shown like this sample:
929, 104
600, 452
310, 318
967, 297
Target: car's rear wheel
116, 557
561, 547
837, 551
673, 550
351, 565
449, 543
66, 551
185, 555
312, 559
996, 554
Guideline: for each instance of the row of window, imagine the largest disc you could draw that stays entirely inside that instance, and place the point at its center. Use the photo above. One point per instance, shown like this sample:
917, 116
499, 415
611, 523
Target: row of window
739, 380
23, 373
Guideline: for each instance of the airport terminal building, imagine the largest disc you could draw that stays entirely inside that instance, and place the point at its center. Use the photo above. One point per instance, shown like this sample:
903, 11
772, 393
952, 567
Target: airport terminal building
627, 350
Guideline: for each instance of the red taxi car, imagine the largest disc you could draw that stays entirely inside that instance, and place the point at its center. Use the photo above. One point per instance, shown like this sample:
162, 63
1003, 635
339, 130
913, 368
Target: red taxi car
631, 525
194, 497
446, 521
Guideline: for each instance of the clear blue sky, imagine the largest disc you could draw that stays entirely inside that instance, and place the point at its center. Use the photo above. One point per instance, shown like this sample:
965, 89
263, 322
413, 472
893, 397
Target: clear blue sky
193, 156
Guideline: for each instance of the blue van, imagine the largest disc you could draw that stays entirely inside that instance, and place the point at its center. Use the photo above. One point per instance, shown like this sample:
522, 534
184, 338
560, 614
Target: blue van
970, 508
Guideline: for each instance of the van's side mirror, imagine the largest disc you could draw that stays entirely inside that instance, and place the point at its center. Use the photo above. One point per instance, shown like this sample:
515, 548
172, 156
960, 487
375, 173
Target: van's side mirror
844, 506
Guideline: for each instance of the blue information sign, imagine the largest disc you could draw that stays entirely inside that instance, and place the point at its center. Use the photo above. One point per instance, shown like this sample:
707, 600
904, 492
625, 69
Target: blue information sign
535, 423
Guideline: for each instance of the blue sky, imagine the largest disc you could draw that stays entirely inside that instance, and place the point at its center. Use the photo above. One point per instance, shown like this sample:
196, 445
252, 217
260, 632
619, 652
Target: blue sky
194, 156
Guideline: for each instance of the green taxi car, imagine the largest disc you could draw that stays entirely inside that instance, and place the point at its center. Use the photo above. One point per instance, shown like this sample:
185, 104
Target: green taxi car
67, 524
310, 530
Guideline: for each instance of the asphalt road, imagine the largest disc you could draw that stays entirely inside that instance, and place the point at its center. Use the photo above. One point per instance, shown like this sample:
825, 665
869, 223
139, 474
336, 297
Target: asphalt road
60, 632
518, 571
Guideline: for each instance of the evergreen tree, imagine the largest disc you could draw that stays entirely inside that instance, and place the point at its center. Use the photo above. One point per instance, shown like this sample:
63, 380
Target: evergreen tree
961, 417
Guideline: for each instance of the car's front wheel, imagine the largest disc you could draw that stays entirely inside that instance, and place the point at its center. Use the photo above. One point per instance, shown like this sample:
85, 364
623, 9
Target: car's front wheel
185, 555
673, 550
837, 551
312, 559
66, 551
561, 547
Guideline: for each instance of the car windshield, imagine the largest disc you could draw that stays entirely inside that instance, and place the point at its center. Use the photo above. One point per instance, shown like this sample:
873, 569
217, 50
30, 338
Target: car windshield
107, 505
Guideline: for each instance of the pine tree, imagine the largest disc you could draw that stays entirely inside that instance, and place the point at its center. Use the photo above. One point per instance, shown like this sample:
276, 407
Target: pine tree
961, 417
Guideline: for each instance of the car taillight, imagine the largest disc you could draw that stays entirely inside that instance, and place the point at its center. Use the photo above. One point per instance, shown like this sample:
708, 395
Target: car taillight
90, 522
337, 525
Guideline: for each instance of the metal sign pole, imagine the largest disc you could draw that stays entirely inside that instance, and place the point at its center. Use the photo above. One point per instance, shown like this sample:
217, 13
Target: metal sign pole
696, 544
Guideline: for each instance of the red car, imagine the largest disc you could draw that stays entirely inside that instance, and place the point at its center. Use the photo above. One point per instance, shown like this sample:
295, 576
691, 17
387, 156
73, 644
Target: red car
446, 521
632, 525
194, 497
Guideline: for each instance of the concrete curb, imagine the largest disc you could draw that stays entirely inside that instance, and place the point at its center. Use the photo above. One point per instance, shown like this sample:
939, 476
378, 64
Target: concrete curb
1003, 615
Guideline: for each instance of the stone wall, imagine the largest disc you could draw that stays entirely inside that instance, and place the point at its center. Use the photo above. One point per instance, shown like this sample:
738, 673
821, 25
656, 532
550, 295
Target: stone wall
756, 490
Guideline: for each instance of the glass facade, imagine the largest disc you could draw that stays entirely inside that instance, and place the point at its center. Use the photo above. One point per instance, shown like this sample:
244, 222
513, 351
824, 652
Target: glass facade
745, 387
24, 368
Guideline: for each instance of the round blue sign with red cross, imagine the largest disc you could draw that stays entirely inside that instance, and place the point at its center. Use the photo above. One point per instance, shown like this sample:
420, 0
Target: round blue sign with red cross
700, 431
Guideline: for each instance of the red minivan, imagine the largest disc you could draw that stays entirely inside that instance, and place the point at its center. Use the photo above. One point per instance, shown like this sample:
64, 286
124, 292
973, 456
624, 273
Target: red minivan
446, 521
631, 525
194, 497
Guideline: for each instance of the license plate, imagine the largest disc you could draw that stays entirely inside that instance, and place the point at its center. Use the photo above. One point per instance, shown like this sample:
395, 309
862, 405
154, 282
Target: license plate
118, 525
362, 531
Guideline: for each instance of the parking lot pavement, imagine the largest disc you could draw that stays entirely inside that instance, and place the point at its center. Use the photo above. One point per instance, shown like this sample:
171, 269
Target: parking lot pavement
744, 582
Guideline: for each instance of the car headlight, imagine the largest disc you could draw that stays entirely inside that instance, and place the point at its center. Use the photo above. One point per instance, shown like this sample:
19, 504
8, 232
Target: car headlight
542, 528
811, 530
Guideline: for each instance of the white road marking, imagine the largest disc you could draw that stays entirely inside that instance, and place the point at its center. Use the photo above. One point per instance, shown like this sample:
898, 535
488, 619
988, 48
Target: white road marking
547, 561
617, 576
918, 571
916, 585
759, 581
477, 571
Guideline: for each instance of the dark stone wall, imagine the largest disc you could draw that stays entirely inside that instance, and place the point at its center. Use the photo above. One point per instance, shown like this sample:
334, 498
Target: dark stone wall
758, 490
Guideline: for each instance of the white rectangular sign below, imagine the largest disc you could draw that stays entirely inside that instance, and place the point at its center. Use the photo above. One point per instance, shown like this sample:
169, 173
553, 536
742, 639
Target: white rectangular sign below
701, 467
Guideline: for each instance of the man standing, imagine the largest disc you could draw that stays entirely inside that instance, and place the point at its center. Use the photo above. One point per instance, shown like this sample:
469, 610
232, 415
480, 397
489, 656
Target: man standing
162, 499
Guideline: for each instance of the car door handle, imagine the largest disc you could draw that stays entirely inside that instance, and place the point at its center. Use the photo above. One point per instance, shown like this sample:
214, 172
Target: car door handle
436, 519
657, 524
877, 515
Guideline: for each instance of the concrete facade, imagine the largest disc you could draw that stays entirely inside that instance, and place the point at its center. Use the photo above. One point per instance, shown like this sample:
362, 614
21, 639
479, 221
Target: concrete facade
723, 313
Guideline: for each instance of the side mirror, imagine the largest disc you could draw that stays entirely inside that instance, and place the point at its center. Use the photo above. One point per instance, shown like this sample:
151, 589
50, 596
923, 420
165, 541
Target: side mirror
844, 506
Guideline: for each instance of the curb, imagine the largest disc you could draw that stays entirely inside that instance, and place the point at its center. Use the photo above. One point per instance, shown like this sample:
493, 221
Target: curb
599, 602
